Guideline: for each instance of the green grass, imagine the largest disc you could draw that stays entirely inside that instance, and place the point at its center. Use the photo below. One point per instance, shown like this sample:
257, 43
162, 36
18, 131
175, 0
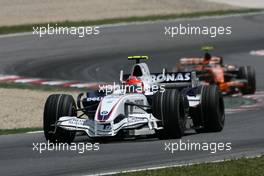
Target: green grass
245, 167
18, 130
28, 27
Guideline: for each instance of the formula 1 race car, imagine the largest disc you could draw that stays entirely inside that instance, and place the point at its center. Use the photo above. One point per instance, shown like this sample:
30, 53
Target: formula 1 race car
229, 78
165, 104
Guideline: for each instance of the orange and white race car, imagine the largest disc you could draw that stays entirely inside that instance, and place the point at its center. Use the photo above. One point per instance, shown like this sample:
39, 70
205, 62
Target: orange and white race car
229, 78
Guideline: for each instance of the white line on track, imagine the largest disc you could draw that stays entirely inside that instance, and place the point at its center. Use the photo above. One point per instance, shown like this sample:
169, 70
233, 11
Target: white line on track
15, 34
170, 166
33, 132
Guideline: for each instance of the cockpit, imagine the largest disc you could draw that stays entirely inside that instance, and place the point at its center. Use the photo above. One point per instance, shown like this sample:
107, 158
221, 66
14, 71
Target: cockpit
140, 70
137, 71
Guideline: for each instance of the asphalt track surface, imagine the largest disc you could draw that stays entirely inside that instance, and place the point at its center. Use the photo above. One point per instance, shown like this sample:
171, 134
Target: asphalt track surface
99, 58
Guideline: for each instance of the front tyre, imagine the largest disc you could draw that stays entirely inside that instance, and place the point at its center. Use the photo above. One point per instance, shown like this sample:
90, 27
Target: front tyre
169, 108
56, 106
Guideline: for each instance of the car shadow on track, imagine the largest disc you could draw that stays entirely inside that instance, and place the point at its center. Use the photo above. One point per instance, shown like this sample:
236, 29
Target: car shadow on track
138, 139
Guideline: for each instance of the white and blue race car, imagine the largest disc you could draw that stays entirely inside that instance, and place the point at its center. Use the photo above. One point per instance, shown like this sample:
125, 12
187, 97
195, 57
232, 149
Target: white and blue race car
165, 104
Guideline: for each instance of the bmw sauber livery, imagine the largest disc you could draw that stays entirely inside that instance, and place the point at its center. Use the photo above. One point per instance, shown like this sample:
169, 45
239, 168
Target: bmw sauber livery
163, 104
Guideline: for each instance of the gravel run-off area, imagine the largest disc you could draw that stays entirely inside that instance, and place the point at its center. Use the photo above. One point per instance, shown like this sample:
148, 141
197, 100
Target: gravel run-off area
15, 12
22, 108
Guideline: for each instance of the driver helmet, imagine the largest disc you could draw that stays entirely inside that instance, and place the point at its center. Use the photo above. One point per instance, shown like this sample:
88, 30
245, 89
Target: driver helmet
134, 84
207, 58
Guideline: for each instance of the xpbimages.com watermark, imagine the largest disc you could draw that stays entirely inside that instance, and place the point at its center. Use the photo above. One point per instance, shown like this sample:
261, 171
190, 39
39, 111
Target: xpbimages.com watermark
212, 147
78, 147
125, 88
151, 84
81, 31
212, 31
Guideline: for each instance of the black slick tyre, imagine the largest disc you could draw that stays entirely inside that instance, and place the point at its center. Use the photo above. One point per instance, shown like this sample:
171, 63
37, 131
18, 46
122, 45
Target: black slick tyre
56, 106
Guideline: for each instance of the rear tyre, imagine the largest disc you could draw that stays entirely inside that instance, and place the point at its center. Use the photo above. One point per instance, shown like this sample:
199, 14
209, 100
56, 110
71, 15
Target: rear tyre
212, 109
56, 106
168, 107
248, 73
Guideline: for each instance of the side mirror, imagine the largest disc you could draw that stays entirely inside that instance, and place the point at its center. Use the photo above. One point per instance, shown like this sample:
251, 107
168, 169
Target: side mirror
164, 71
195, 79
121, 76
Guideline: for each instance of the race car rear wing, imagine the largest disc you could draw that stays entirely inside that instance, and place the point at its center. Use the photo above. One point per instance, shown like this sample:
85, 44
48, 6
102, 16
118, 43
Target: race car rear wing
176, 79
138, 58
191, 61
200, 61
170, 78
